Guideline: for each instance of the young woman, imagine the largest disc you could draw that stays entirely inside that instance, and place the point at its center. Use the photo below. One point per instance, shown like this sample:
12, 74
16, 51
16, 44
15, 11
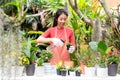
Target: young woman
58, 35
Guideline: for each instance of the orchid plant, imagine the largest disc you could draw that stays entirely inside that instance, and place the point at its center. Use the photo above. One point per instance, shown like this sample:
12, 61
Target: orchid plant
113, 56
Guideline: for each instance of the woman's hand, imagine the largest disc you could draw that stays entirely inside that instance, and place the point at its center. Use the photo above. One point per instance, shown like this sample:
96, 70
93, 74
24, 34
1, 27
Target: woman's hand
71, 49
57, 41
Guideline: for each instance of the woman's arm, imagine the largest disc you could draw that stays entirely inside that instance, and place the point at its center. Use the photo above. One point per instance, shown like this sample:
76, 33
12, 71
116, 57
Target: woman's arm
55, 41
42, 39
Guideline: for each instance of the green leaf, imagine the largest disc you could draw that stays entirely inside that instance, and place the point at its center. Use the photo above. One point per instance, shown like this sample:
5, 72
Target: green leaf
32, 57
35, 32
102, 47
27, 48
93, 45
109, 49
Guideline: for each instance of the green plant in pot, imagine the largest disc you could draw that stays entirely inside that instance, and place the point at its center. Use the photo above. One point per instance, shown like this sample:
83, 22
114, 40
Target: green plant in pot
113, 56
68, 44
113, 61
39, 62
78, 71
101, 50
41, 68
59, 67
45, 56
88, 57
93, 56
63, 70
28, 52
28, 57
71, 71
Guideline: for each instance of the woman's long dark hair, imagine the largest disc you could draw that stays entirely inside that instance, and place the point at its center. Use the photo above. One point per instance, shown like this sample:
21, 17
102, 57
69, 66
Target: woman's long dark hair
57, 14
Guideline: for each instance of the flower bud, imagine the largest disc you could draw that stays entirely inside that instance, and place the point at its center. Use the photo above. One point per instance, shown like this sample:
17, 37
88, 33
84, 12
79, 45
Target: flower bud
110, 52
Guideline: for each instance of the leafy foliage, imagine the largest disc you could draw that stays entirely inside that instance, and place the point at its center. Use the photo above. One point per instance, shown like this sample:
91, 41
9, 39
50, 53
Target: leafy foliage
29, 51
45, 56
59, 65
79, 69
102, 49
53, 5
71, 68
88, 57
113, 56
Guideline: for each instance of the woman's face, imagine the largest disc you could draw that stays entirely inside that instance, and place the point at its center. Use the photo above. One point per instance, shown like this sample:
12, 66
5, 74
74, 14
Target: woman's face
34, 26
62, 20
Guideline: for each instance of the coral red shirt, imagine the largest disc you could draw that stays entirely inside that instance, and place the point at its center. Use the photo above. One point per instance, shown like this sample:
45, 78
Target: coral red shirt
66, 34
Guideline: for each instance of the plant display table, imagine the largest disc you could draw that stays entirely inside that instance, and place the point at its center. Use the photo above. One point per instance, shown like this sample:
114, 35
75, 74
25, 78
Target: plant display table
55, 77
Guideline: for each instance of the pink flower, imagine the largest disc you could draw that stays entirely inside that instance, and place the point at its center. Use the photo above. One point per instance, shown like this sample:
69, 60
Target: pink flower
33, 62
110, 53
118, 52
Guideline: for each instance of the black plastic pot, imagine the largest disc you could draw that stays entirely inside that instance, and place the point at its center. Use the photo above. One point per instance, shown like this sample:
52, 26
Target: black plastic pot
68, 46
112, 69
58, 72
63, 73
77, 73
30, 70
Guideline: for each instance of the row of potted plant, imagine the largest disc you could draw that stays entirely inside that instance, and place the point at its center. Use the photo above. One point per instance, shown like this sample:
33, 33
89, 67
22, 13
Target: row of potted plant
63, 69
32, 55
98, 53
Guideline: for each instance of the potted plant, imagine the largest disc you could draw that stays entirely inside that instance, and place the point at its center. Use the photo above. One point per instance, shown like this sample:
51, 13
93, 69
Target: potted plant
63, 71
101, 48
68, 44
45, 56
39, 71
28, 57
16, 69
78, 71
88, 57
113, 60
71, 71
59, 67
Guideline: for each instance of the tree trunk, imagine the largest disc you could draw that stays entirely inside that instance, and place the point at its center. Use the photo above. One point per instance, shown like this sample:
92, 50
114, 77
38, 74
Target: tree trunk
97, 30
